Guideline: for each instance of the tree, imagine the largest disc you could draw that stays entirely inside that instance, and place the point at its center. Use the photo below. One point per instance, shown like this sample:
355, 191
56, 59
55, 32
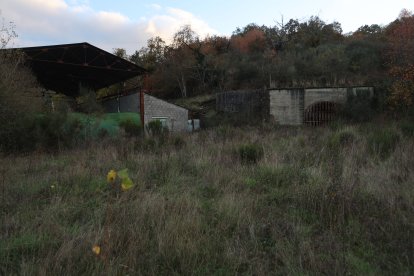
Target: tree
400, 35
19, 98
120, 52
180, 59
152, 55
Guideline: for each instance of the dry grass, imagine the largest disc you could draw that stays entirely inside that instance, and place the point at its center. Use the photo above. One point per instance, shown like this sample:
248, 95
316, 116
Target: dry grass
314, 203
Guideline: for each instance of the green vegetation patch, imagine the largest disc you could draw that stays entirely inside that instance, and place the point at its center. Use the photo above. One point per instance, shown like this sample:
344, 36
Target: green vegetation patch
382, 142
109, 123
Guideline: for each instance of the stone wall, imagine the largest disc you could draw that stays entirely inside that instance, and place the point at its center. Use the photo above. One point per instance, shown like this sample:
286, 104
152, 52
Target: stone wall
176, 117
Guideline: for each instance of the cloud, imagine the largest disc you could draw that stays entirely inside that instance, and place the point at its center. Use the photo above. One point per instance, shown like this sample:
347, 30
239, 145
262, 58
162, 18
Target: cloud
156, 6
167, 24
46, 22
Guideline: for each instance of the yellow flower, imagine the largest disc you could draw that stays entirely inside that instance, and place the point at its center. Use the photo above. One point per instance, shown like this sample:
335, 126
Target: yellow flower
96, 249
111, 176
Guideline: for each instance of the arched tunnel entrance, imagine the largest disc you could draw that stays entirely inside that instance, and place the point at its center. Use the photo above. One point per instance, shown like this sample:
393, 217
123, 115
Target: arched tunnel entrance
320, 113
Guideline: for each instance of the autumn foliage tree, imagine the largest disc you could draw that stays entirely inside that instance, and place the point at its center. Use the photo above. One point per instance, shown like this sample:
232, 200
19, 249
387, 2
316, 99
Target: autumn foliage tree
298, 53
400, 36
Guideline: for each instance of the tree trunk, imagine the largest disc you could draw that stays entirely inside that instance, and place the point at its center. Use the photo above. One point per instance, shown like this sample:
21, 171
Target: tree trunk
182, 84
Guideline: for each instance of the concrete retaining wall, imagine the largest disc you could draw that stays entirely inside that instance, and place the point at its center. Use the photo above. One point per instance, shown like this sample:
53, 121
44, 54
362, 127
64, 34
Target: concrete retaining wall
287, 106
315, 95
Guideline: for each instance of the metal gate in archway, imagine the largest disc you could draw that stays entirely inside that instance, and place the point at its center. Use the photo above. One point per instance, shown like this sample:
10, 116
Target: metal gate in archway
320, 113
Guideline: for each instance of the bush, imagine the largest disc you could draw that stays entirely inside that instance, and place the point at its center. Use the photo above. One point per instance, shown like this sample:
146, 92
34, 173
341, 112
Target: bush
44, 131
383, 142
359, 108
250, 153
131, 128
18, 102
155, 128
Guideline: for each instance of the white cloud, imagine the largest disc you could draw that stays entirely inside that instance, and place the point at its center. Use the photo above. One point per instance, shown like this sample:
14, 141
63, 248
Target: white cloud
156, 6
45, 22
166, 24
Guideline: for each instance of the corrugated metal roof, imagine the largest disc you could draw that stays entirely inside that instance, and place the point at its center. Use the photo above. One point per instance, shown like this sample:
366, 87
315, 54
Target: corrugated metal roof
63, 67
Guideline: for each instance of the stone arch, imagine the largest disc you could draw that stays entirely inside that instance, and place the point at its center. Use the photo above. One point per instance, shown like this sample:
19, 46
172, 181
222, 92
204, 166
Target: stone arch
320, 113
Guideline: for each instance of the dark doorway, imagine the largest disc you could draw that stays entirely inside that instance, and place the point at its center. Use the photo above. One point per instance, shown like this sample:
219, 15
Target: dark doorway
320, 113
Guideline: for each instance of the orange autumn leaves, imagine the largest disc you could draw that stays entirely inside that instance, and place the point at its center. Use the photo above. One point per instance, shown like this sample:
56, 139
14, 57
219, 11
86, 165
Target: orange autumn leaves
253, 40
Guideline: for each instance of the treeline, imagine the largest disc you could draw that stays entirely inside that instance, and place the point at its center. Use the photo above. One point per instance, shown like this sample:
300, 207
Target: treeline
291, 54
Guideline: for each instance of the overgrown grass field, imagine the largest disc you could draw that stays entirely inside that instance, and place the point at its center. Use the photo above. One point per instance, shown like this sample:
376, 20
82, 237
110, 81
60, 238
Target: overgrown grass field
224, 201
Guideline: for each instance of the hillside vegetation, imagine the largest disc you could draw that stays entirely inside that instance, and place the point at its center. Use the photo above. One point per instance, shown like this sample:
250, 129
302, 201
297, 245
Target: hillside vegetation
292, 53
223, 201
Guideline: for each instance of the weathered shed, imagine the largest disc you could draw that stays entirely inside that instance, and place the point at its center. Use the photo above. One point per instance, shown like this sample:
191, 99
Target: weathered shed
172, 116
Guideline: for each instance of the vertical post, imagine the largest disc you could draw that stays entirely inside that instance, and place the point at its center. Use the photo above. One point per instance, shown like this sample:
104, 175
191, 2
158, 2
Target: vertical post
118, 99
142, 107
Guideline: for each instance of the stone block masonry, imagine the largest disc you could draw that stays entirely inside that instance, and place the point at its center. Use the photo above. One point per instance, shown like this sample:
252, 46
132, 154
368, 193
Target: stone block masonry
173, 116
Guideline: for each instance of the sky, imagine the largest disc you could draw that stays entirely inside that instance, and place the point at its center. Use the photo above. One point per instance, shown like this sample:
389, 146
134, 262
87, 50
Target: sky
128, 24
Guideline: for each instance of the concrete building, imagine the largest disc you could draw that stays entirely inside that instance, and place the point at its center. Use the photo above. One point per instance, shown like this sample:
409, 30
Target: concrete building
175, 118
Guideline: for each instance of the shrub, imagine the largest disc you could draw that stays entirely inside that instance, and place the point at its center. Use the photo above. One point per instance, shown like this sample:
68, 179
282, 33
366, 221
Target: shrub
155, 128
359, 108
383, 142
18, 102
131, 128
250, 153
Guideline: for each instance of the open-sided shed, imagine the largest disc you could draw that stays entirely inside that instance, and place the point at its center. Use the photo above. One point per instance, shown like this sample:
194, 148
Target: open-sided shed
65, 68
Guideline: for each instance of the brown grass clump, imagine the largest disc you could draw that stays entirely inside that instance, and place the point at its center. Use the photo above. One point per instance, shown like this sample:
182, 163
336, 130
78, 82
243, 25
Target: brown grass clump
317, 202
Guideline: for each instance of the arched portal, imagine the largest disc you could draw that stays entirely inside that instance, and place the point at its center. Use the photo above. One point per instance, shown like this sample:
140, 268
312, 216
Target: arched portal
320, 113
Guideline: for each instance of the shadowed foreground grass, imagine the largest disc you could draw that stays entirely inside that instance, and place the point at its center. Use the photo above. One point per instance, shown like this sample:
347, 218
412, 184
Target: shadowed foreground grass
316, 201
